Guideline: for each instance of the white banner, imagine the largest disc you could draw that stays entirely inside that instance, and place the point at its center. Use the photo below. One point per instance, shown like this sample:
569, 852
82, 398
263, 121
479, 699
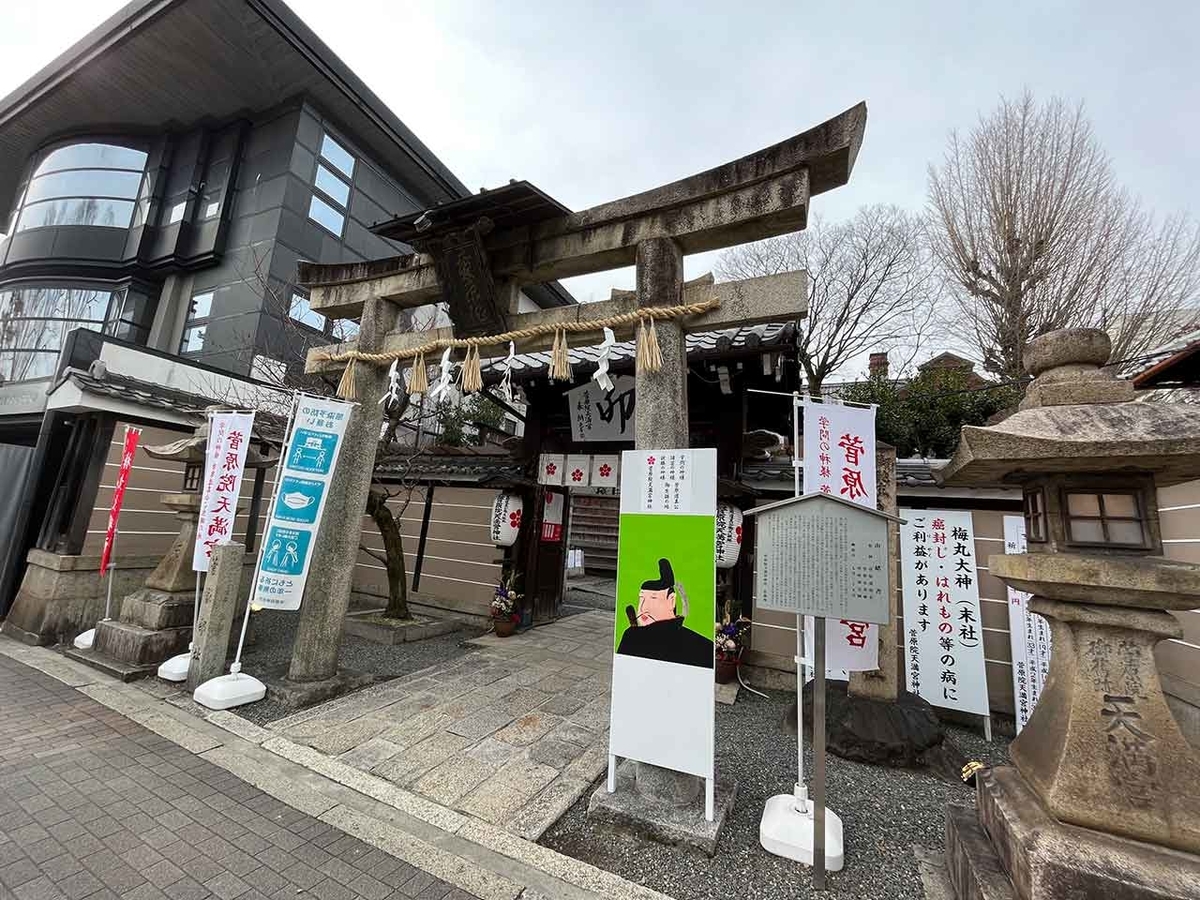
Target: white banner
224, 466
663, 704
599, 415
306, 470
839, 459
1029, 635
943, 637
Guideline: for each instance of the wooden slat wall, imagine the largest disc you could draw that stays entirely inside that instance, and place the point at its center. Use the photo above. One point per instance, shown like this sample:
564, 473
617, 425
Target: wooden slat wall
459, 563
1179, 660
146, 526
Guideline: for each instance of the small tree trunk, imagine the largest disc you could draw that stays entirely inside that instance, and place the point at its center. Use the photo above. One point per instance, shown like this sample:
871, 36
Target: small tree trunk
393, 548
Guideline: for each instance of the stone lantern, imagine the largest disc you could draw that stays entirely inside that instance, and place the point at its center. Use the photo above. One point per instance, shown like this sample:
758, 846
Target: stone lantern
1103, 798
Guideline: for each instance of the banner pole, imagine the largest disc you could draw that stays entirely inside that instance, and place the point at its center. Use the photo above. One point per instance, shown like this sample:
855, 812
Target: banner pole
819, 755
111, 567
801, 791
236, 665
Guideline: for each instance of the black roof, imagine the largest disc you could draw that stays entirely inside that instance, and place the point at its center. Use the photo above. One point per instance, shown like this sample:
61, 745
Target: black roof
515, 204
174, 63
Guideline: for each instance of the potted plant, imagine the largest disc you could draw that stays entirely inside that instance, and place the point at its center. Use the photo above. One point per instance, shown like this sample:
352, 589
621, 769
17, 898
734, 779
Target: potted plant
730, 641
505, 603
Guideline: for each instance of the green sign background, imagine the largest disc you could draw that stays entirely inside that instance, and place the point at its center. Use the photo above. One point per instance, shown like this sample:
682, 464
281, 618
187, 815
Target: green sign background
689, 542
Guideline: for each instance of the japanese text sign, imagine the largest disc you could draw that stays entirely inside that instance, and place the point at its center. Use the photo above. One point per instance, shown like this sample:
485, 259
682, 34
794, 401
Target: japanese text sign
224, 466
815, 556
305, 473
943, 628
662, 709
839, 460
1029, 635
114, 513
599, 415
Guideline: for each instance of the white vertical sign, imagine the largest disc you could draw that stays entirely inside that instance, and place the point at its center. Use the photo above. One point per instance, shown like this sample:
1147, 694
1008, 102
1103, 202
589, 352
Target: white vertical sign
306, 470
943, 627
1029, 635
839, 459
224, 466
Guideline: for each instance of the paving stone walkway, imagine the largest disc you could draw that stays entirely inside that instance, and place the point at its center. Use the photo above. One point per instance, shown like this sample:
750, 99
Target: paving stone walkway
513, 733
93, 805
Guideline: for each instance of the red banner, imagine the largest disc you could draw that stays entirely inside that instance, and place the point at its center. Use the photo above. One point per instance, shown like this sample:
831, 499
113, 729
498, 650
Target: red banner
131, 442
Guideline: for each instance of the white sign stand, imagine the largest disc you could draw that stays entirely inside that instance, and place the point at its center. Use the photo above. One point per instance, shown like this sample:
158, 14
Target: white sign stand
788, 825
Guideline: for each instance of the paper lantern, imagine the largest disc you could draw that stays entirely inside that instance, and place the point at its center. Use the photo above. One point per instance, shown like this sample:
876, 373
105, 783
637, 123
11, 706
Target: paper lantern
506, 519
729, 535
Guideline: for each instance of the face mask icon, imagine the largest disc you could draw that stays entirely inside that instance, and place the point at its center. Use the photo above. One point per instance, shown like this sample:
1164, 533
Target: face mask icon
297, 500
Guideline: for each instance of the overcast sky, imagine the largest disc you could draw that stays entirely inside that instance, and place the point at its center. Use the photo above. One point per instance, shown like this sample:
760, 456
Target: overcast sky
592, 101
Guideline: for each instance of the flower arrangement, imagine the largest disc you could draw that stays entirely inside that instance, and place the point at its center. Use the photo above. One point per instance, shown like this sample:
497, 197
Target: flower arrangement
731, 638
506, 600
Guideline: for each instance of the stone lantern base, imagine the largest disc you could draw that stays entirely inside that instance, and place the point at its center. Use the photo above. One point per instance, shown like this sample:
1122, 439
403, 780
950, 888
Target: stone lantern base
1013, 848
154, 623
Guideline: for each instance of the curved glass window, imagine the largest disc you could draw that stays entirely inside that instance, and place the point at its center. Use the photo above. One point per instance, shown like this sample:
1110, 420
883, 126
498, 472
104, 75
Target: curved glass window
35, 320
83, 184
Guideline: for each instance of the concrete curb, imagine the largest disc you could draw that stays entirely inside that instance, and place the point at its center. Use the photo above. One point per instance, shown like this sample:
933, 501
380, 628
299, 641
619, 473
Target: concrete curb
460, 849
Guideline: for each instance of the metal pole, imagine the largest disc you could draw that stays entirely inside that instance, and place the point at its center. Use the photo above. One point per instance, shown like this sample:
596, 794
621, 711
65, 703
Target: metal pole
819, 755
236, 665
111, 569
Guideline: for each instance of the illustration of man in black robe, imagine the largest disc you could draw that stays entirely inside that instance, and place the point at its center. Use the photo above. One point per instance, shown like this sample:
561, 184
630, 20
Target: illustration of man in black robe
656, 630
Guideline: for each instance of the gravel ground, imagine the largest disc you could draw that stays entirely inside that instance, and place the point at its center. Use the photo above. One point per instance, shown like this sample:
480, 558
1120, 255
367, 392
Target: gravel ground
885, 812
274, 632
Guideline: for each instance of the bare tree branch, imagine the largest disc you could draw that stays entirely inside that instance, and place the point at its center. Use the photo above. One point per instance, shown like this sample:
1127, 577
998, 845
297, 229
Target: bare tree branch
1033, 233
872, 285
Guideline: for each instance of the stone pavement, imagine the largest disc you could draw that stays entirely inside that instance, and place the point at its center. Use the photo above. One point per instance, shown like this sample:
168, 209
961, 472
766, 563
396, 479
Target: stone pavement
93, 805
513, 733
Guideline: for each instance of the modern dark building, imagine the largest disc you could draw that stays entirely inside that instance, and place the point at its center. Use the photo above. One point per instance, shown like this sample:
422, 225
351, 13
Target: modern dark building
159, 182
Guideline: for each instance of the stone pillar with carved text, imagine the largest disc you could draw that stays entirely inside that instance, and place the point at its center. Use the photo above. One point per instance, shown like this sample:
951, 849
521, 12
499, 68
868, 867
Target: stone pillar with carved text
327, 594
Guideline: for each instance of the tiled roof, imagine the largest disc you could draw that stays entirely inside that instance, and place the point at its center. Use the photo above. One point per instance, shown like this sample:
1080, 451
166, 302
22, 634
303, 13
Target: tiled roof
701, 344
157, 396
450, 465
909, 472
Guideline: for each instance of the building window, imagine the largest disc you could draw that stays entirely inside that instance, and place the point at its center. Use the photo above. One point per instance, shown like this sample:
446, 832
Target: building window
331, 186
303, 313
83, 184
35, 320
193, 339
1105, 518
1035, 515
337, 155
326, 216
196, 326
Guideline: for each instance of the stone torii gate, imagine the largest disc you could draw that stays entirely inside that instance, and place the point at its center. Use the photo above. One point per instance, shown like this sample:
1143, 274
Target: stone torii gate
477, 252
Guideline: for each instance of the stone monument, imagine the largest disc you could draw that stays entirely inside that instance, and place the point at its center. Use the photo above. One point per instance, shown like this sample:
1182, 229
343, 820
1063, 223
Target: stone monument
1103, 798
